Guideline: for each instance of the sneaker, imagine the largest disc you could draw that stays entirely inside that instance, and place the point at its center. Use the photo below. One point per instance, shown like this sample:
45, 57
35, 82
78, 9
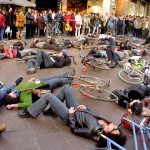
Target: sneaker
120, 63
31, 71
24, 114
2, 128
1, 84
19, 80
50, 112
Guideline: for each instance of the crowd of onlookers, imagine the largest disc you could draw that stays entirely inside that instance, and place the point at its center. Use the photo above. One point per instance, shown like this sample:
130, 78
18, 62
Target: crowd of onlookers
70, 23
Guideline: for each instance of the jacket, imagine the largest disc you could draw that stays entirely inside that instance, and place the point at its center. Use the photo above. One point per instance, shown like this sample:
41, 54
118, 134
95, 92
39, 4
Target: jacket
29, 18
59, 62
84, 121
2, 20
20, 20
9, 19
40, 22
25, 96
49, 18
58, 17
137, 24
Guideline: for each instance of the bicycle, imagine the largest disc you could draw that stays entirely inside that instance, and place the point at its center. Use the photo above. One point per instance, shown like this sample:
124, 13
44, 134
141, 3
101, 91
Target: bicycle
52, 31
134, 73
135, 124
92, 62
95, 63
94, 88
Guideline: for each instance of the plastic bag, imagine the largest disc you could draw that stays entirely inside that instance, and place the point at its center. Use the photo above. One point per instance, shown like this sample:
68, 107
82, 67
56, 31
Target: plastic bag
8, 30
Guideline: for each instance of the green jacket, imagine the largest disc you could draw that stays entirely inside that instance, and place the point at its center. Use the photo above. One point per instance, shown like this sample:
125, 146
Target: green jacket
25, 96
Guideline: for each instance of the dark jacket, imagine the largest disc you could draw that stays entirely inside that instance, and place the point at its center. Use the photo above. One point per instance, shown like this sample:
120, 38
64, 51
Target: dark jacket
59, 61
84, 121
9, 19
29, 18
49, 17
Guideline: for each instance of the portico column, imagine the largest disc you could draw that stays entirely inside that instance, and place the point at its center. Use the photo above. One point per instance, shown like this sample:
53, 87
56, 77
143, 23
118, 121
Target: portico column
106, 6
146, 9
120, 7
138, 7
64, 5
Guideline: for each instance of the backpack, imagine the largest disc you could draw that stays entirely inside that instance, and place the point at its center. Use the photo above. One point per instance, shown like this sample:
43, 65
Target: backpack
18, 46
67, 44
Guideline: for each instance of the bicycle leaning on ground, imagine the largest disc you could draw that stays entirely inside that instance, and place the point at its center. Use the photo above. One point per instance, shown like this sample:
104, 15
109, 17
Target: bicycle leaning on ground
134, 72
137, 124
94, 88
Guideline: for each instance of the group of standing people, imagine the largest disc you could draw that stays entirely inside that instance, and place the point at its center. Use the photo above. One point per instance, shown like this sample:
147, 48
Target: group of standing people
70, 23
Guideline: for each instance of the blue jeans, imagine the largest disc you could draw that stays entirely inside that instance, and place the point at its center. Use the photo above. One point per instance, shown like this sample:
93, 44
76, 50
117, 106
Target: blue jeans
56, 80
1, 33
56, 102
4, 91
42, 59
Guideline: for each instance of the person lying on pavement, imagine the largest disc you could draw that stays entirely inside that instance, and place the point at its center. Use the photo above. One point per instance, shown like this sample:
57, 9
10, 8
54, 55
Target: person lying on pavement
82, 121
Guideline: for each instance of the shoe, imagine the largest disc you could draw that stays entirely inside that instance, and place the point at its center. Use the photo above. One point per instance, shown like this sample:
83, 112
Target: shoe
19, 80
1, 84
71, 72
2, 128
24, 114
120, 63
50, 112
31, 71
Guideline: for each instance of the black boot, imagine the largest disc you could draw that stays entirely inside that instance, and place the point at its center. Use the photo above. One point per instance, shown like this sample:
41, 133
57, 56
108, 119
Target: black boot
50, 112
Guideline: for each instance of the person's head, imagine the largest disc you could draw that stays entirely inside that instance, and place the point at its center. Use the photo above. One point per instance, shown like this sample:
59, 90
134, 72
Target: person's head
29, 10
10, 9
50, 11
12, 98
20, 11
114, 133
41, 14
136, 107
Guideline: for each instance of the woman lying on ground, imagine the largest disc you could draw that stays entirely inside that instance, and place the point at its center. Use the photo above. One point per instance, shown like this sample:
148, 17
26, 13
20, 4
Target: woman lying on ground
82, 120
14, 53
44, 60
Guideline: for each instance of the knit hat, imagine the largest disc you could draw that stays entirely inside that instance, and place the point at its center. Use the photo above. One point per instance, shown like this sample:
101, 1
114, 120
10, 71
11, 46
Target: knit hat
64, 52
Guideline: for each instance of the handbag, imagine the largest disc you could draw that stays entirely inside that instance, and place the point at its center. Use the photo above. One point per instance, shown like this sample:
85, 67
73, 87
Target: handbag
8, 30
16, 24
40, 92
78, 25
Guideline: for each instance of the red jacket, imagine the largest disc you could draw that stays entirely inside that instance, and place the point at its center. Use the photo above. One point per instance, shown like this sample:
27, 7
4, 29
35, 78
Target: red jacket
2, 20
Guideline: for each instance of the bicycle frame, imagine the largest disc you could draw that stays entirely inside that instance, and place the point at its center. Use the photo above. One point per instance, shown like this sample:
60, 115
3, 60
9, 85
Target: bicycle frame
111, 142
141, 129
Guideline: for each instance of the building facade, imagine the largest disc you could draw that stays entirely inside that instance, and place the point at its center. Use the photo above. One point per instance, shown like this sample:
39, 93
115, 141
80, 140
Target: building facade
119, 7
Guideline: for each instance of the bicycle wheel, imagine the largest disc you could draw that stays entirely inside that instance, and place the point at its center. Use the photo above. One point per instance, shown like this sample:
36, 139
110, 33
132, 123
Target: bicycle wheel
98, 94
48, 32
130, 78
57, 32
7, 45
99, 64
99, 81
